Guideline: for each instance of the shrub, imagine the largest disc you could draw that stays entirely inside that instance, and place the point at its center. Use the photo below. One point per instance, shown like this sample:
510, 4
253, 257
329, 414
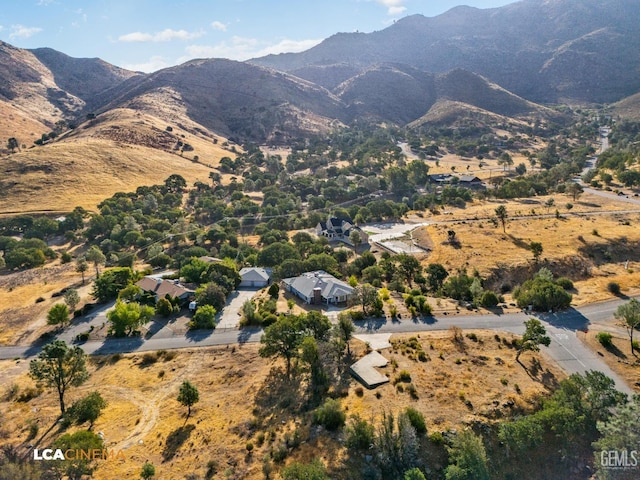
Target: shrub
488, 299
437, 438
273, 291
614, 288
403, 376
605, 339
330, 415
360, 434
417, 420
565, 283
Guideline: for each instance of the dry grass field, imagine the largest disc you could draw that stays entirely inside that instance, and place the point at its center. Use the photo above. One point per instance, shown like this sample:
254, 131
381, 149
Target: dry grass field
241, 401
120, 152
14, 123
591, 250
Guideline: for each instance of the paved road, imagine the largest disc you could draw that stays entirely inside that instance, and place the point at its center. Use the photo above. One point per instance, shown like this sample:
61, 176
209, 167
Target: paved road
566, 349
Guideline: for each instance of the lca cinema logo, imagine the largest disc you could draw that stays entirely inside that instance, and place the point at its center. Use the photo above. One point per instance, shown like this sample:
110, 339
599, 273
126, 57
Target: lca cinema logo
77, 454
619, 459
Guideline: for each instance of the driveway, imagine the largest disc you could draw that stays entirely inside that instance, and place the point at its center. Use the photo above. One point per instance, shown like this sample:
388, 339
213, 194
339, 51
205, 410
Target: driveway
230, 315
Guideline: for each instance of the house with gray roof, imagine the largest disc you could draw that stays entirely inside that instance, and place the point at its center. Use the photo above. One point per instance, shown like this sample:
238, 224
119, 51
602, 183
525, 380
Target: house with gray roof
255, 277
318, 287
339, 230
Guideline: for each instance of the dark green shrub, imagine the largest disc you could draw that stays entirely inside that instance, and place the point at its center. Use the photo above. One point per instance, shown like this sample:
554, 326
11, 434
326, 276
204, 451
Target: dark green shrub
613, 288
565, 283
488, 299
330, 415
417, 420
360, 434
605, 339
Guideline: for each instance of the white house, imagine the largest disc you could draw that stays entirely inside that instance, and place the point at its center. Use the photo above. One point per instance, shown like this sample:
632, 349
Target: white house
318, 287
255, 277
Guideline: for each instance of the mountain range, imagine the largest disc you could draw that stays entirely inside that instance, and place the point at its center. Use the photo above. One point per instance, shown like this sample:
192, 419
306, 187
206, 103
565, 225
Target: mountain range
502, 65
505, 61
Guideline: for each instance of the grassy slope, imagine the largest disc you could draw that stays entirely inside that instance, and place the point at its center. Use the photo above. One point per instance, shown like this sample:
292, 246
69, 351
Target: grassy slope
120, 152
144, 419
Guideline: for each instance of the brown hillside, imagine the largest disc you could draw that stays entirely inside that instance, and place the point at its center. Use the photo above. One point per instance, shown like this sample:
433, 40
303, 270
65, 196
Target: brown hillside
84, 172
15, 123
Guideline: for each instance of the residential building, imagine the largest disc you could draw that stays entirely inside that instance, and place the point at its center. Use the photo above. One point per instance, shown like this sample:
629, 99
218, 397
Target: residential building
318, 287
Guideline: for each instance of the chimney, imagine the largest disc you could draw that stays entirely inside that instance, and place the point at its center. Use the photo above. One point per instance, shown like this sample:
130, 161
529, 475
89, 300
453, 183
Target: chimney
317, 296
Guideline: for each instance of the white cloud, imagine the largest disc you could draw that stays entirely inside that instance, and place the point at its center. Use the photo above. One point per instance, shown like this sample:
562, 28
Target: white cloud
243, 48
219, 26
164, 36
44, 3
20, 31
153, 64
394, 7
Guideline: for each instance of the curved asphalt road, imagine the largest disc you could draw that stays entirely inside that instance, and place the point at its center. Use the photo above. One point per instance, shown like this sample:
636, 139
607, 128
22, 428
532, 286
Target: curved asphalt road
566, 349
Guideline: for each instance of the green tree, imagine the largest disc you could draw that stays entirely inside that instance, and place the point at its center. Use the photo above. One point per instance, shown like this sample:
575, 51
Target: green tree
72, 298
408, 266
211, 294
397, 449
13, 144
110, 283
359, 434
501, 213
87, 409
436, 275
61, 367
542, 294
282, 339
188, 395
364, 295
575, 190
82, 266
78, 467
94, 255
414, 474
58, 314
164, 307
629, 316
621, 432
205, 317
148, 471
344, 330
307, 471
536, 250
125, 318
469, 458
534, 335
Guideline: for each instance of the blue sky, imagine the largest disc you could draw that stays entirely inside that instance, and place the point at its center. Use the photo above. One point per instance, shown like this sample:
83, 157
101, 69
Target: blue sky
148, 35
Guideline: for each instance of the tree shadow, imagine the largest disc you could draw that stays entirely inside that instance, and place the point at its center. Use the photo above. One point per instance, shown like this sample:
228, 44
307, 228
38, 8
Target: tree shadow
570, 319
119, 345
371, 324
278, 394
198, 335
537, 373
175, 440
245, 333
613, 349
